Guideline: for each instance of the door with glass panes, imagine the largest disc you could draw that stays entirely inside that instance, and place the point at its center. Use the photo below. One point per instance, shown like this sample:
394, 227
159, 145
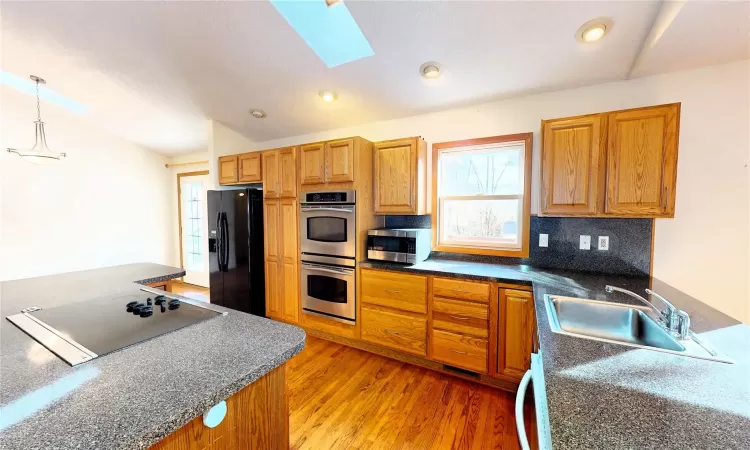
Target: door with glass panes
193, 227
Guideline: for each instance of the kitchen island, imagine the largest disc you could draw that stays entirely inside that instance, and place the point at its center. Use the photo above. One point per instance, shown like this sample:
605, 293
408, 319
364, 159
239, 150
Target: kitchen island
608, 396
136, 397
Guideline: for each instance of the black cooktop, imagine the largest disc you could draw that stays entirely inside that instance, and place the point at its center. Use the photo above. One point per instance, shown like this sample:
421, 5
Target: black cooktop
104, 325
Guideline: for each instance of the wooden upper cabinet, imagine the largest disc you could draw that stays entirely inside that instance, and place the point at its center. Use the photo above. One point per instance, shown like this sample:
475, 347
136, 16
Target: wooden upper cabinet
312, 163
619, 163
515, 334
340, 161
228, 169
288, 173
271, 187
642, 161
250, 168
400, 174
572, 161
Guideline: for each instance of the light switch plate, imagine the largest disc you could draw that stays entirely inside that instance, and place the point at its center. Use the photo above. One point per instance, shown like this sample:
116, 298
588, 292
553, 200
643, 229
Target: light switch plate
603, 243
585, 242
543, 240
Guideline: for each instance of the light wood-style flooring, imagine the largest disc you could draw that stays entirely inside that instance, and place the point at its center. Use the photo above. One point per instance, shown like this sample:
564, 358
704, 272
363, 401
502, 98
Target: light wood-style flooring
344, 398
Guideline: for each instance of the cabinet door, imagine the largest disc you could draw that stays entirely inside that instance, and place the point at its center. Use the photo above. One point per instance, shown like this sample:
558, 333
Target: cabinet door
271, 228
289, 280
312, 163
642, 161
288, 172
250, 168
271, 186
395, 176
515, 336
273, 295
572, 162
228, 169
388, 328
340, 161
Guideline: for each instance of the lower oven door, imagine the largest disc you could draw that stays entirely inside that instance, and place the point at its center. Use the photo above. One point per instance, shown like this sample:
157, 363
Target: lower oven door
535, 376
329, 291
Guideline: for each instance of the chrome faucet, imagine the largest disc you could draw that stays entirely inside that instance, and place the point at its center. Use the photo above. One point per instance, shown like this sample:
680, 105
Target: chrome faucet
675, 320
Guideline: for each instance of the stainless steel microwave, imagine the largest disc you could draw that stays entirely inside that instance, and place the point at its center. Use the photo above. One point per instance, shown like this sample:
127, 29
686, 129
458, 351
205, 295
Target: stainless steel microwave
403, 245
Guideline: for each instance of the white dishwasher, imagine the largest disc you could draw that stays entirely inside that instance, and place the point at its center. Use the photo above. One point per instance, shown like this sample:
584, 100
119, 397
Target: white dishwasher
536, 376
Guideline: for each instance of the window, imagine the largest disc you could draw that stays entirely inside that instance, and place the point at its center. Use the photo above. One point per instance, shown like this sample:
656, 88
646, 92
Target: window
482, 197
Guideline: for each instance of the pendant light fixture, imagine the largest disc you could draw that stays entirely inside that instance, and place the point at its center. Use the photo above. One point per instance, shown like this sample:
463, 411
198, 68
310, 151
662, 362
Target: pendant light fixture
39, 153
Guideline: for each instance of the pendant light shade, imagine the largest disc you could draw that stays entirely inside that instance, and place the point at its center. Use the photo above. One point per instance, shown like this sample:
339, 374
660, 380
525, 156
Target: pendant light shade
39, 153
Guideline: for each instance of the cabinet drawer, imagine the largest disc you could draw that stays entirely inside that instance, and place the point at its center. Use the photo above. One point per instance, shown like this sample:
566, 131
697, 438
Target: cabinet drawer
394, 330
459, 350
467, 290
460, 316
395, 290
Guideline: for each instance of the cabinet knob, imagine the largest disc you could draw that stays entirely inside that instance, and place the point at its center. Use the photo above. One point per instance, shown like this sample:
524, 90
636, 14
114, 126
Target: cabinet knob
214, 416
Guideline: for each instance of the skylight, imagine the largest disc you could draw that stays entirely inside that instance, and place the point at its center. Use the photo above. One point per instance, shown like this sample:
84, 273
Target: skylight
27, 86
331, 32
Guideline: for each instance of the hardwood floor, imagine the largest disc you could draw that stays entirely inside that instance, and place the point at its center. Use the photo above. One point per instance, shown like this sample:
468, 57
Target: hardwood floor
344, 398
191, 291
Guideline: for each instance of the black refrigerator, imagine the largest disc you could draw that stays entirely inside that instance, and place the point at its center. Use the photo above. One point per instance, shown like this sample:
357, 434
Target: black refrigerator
235, 250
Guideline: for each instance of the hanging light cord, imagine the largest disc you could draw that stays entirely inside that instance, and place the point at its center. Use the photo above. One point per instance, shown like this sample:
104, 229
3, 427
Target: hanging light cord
38, 108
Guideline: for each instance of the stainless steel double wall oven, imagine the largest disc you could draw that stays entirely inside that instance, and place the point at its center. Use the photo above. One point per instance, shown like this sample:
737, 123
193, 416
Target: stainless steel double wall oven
328, 244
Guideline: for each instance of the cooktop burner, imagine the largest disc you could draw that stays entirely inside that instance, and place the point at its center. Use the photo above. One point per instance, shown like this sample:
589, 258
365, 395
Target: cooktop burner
79, 332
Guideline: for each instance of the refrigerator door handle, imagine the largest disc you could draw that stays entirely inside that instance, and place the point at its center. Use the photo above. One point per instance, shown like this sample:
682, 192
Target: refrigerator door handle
219, 240
225, 240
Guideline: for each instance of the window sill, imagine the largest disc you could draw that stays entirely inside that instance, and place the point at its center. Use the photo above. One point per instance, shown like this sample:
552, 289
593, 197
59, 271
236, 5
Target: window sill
521, 253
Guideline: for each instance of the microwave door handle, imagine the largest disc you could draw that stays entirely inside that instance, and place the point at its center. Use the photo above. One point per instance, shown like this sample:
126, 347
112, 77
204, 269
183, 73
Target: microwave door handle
520, 396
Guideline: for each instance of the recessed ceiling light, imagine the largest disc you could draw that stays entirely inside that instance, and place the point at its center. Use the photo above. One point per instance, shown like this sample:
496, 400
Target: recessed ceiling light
593, 30
430, 70
327, 96
258, 114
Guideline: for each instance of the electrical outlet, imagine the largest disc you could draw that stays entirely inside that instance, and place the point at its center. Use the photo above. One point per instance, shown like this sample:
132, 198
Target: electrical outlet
543, 240
603, 243
585, 242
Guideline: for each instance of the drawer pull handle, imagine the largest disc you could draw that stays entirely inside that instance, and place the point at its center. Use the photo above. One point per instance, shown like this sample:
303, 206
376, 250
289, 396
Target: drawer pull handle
460, 290
393, 291
459, 352
459, 317
393, 332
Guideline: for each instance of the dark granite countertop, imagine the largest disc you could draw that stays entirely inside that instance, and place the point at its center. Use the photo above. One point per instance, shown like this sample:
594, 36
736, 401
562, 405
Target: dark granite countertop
132, 398
608, 396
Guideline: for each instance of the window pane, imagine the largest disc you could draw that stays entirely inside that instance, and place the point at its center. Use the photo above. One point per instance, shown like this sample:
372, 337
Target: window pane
481, 223
493, 171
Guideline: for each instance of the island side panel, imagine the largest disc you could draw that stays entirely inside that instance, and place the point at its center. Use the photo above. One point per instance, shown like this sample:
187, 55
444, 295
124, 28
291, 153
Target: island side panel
257, 418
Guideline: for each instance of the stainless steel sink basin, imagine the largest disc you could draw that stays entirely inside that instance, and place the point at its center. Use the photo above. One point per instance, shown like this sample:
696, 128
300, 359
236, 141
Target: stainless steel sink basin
618, 323
610, 321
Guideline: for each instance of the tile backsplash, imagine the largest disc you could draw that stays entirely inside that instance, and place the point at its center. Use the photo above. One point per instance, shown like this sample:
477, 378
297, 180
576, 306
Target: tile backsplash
629, 244
408, 221
629, 250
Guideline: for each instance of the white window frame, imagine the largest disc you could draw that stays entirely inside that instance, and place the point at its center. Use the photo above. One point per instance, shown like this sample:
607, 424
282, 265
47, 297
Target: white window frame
488, 244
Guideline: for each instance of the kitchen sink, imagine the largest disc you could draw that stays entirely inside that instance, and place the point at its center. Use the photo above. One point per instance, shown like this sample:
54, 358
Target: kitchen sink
608, 321
629, 325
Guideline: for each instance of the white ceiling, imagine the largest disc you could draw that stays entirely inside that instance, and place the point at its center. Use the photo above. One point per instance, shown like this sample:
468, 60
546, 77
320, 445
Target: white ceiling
153, 72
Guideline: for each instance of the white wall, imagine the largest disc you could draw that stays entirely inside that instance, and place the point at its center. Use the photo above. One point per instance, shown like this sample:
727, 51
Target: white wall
704, 249
107, 203
223, 140
174, 199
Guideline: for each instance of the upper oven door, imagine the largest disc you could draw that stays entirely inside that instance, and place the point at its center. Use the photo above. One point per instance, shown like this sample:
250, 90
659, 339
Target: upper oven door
328, 230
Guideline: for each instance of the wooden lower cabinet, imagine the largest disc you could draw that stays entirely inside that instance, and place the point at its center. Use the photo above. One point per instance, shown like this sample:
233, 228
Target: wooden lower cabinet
395, 290
460, 350
517, 324
389, 328
257, 418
